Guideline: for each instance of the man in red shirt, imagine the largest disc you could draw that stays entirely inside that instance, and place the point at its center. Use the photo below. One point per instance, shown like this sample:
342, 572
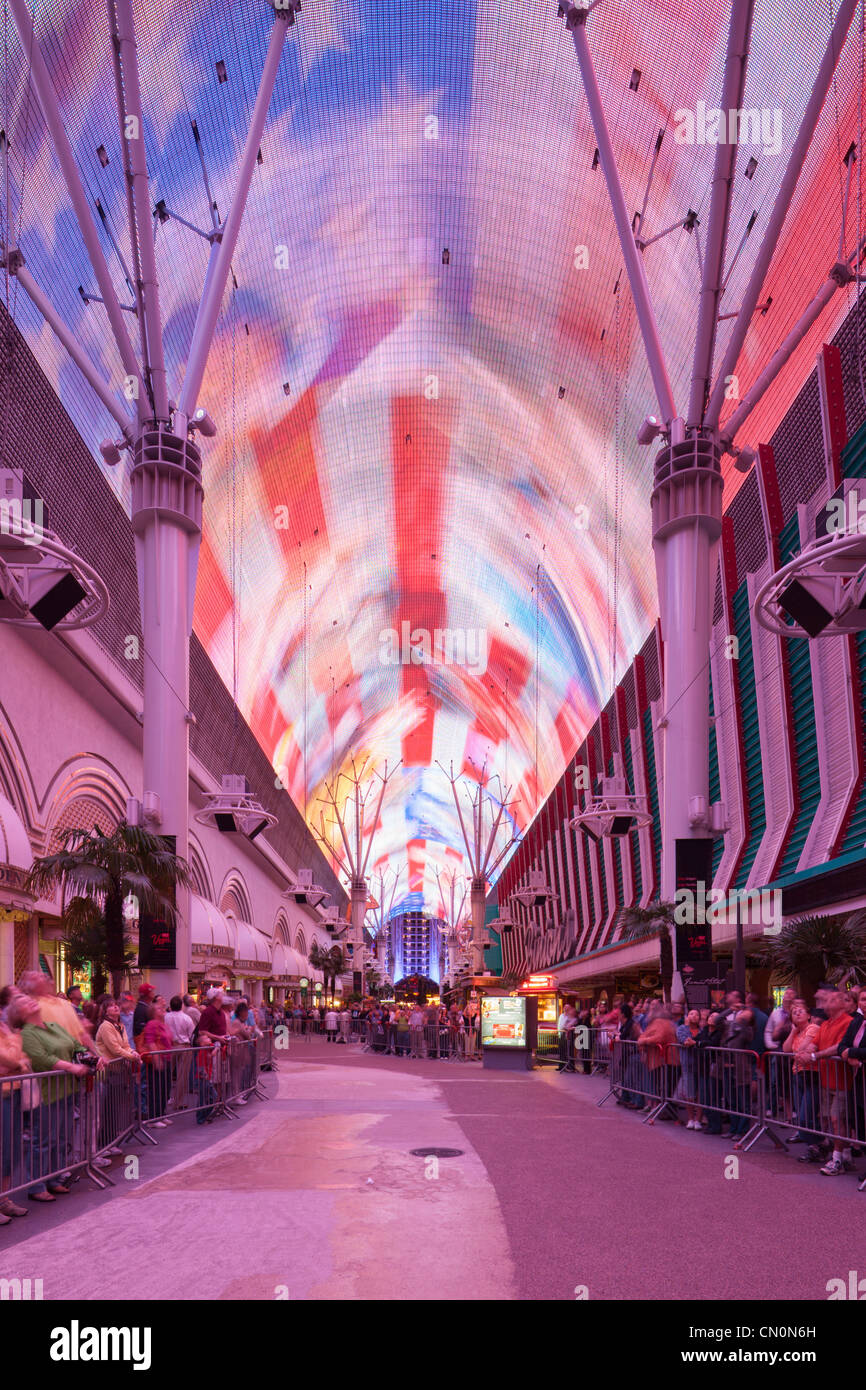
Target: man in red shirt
212, 1023
836, 1078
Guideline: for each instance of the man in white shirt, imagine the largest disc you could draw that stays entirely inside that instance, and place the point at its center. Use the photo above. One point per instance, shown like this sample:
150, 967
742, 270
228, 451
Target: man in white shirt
181, 1028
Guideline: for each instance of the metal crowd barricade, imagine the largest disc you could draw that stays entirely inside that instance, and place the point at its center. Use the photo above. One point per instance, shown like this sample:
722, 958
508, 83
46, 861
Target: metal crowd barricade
601, 1048
54, 1125
722, 1082
637, 1074
824, 1101
547, 1045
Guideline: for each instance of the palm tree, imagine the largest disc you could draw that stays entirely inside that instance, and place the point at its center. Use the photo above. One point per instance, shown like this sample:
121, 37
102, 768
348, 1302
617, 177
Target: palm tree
95, 873
809, 950
318, 958
656, 919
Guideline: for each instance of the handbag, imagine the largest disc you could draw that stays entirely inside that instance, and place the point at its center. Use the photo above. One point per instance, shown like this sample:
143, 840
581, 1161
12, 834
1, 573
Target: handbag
31, 1093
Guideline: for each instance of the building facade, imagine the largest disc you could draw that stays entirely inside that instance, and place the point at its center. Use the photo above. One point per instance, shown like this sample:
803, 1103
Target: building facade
787, 747
70, 742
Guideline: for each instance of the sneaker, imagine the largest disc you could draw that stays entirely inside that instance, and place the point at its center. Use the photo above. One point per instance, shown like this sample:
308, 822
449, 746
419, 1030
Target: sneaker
10, 1208
812, 1155
102, 1161
158, 1124
833, 1168
241, 1100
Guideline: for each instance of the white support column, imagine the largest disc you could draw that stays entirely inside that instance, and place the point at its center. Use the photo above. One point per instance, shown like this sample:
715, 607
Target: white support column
141, 232
208, 313
44, 87
779, 213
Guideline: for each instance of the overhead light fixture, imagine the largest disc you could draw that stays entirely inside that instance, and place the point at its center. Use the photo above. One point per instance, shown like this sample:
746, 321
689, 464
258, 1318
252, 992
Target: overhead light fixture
234, 809
649, 429
595, 159
305, 892
42, 581
103, 157
751, 167
744, 459
613, 812
536, 893
203, 422
446, 256
221, 70
634, 81
110, 452
821, 591
809, 603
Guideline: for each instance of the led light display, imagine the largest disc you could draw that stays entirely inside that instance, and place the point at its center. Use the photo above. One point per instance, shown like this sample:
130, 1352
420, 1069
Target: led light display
427, 527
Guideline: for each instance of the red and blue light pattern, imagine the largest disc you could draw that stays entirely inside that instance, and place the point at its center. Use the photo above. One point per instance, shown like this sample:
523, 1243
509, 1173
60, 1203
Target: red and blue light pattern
427, 393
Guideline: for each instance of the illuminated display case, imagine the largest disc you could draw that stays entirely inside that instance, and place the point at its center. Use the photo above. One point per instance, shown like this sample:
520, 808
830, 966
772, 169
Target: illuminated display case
503, 1022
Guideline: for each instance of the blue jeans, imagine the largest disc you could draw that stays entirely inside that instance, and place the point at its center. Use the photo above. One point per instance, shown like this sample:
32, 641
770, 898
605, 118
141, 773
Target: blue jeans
50, 1132
11, 1154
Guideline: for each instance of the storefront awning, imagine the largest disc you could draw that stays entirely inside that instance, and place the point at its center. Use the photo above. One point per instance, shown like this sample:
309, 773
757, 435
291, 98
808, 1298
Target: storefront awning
289, 965
252, 949
209, 931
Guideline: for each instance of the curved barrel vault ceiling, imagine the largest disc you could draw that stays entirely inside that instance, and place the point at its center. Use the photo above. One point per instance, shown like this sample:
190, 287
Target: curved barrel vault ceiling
408, 436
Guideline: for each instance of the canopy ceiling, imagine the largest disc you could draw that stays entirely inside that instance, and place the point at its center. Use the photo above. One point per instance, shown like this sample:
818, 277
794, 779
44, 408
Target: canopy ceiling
427, 412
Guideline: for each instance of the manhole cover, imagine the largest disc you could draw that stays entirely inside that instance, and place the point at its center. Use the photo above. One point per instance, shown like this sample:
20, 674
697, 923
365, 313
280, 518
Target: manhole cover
437, 1153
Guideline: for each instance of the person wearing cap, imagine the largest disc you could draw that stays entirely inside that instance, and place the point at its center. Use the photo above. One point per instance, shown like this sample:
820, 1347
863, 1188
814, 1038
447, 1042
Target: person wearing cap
141, 1017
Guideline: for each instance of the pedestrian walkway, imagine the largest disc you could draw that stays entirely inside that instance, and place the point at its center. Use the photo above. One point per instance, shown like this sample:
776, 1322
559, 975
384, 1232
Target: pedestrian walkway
315, 1195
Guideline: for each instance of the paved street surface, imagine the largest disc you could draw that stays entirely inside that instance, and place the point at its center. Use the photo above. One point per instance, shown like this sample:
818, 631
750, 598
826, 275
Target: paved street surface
315, 1195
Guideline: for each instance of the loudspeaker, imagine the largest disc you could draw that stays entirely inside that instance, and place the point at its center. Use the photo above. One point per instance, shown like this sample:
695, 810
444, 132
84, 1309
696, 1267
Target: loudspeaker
257, 829
225, 821
58, 601
802, 605
621, 825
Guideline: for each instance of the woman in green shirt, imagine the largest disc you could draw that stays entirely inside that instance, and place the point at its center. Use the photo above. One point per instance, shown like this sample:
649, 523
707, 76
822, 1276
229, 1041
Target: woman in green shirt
48, 1048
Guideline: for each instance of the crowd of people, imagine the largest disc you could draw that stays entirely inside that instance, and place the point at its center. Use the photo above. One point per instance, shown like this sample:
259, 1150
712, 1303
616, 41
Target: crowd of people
707, 1063
171, 1047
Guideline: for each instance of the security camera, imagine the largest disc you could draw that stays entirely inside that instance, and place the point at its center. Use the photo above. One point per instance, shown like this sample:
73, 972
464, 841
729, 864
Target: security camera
203, 422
